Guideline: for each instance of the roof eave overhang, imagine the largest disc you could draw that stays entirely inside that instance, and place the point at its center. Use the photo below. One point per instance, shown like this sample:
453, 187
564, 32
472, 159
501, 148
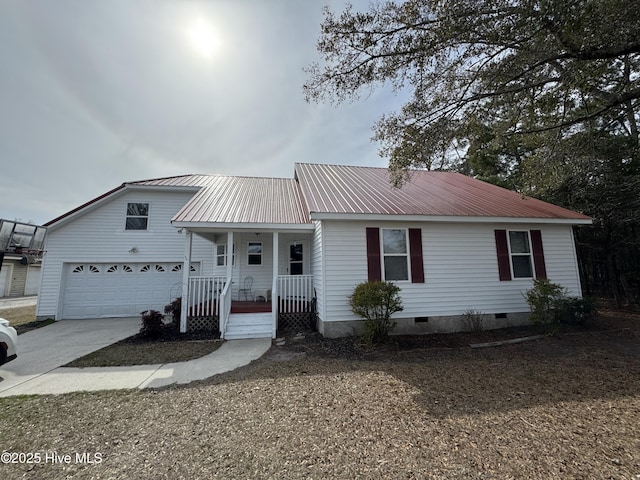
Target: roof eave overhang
253, 227
375, 217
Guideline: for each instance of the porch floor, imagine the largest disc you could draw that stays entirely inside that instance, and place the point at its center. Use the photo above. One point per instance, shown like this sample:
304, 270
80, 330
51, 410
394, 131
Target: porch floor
246, 307
250, 307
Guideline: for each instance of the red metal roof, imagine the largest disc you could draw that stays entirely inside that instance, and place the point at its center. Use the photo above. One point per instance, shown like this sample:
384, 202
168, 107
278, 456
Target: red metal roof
337, 189
225, 199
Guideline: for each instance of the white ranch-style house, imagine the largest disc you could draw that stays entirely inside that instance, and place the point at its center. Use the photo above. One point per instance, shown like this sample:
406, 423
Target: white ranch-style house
250, 256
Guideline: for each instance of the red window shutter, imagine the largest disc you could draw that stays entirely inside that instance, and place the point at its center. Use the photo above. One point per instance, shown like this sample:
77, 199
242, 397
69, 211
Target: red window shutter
538, 254
374, 265
504, 265
415, 253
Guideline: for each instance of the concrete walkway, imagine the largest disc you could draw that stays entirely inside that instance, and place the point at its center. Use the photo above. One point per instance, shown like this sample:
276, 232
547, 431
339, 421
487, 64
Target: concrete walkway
41, 352
231, 355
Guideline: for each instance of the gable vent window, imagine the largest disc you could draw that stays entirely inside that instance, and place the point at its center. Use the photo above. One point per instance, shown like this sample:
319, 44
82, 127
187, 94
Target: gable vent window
137, 216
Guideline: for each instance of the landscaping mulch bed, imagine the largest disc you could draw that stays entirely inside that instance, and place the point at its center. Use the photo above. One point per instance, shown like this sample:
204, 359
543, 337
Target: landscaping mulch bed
169, 346
566, 406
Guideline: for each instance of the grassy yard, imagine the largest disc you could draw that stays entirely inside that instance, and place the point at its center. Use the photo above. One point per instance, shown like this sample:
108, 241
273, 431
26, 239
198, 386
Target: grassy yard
562, 407
148, 353
19, 315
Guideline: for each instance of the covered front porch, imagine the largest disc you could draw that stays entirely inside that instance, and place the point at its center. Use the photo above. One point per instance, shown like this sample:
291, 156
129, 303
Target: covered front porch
261, 285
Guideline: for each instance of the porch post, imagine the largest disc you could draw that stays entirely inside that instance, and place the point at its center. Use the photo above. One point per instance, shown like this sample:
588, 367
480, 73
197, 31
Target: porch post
274, 288
186, 268
229, 256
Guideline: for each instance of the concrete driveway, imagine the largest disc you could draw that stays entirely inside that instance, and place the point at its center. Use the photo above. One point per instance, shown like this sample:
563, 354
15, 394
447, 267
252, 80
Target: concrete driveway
47, 348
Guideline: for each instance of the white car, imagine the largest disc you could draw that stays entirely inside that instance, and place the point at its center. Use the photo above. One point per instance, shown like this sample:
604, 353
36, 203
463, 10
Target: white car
8, 341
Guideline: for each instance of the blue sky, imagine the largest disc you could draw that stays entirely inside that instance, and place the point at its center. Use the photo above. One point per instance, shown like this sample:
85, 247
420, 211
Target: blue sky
95, 93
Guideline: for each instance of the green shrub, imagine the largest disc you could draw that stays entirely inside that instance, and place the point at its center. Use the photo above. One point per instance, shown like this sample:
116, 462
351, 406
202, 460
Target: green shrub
174, 309
575, 311
550, 303
152, 323
376, 302
543, 299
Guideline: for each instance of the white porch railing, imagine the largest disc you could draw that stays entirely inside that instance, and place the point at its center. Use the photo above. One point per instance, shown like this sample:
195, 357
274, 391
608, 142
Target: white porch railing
209, 296
225, 308
294, 292
204, 295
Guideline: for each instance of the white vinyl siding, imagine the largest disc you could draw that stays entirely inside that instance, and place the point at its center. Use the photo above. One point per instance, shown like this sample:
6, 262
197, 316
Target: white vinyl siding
461, 270
317, 268
99, 236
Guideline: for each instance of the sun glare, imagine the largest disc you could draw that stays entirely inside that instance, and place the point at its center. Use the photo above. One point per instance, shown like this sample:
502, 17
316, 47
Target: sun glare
202, 38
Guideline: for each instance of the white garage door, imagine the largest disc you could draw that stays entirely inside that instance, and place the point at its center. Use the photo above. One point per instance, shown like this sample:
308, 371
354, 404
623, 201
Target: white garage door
98, 290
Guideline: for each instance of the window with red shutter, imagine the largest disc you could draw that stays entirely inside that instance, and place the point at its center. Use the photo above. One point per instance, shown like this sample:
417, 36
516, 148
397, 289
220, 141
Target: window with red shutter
395, 254
415, 253
374, 268
504, 266
520, 254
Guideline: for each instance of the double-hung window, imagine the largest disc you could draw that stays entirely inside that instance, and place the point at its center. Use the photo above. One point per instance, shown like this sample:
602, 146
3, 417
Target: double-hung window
254, 256
221, 255
137, 216
520, 252
395, 254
